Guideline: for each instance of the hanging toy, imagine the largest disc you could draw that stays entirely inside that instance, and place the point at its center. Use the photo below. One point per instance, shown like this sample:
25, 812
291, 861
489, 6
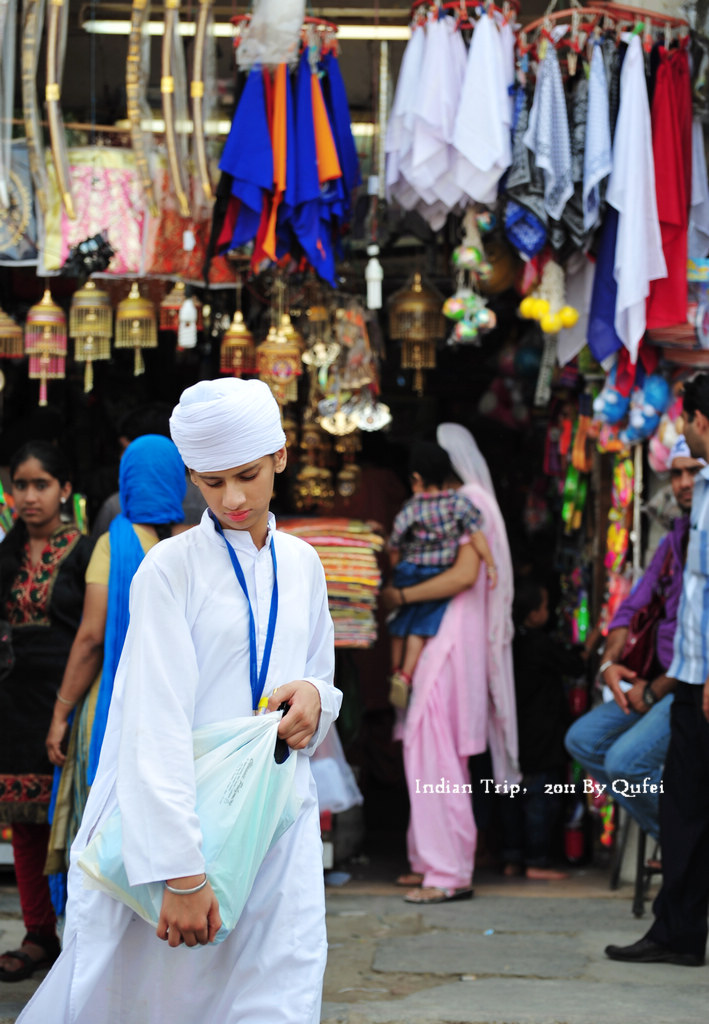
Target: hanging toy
546, 303
467, 307
664, 438
609, 406
647, 403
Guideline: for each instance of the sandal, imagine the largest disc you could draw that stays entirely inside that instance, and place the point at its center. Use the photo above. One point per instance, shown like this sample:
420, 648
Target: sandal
399, 690
29, 964
434, 894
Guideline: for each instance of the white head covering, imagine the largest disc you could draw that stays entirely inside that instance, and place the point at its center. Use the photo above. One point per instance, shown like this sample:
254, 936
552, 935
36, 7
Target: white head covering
220, 424
466, 458
680, 450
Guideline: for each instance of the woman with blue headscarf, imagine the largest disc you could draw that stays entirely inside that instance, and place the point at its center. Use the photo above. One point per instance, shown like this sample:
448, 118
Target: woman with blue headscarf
152, 487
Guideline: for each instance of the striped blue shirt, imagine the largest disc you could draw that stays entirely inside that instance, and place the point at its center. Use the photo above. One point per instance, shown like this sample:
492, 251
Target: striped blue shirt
690, 663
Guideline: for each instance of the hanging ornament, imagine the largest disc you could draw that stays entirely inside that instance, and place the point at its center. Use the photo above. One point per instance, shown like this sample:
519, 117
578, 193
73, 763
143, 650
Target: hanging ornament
467, 307
171, 305
136, 326
349, 476
237, 355
374, 275
90, 325
415, 318
546, 303
45, 343
278, 364
313, 483
188, 322
287, 330
11, 339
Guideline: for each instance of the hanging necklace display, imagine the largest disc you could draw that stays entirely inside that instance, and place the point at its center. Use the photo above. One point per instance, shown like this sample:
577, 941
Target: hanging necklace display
416, 320
137, 74
237, 354
174, 107
56, 49
90, 325
45, 343
136, 326
203, 50
32, 24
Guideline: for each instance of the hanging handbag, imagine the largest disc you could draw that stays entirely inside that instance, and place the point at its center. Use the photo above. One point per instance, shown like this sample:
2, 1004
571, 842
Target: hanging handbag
640, 649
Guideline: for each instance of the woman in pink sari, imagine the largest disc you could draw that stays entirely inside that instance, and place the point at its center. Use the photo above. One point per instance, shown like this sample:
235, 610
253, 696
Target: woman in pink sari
463, 698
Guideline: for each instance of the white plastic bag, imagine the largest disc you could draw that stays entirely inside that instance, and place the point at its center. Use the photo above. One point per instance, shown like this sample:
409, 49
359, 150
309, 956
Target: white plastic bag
273, 34
245, 802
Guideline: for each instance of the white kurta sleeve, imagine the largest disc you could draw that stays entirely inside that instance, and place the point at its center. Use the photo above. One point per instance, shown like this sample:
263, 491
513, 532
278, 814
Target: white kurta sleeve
320, 664
158, 677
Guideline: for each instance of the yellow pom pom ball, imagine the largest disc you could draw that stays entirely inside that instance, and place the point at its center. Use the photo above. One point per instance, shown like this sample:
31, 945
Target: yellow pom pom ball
551, 323
569, 316
541, 308
526, 307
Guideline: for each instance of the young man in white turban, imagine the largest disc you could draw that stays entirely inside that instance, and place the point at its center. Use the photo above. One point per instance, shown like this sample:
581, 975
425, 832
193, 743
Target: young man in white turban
221, 615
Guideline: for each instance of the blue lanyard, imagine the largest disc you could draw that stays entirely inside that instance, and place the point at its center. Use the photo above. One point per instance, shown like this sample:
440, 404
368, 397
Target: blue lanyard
257, 679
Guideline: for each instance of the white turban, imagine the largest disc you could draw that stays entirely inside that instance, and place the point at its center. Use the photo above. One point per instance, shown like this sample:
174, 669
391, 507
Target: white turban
220, 424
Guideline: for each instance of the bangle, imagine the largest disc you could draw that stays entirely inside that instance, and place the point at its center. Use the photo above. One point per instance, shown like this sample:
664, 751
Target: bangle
63, 700
401, 595
491, 569
186, 892
604, 666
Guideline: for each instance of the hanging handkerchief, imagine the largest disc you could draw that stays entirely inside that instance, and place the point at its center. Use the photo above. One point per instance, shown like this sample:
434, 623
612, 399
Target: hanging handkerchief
698, 240
631, 190
597, 163
548, 135
399, 129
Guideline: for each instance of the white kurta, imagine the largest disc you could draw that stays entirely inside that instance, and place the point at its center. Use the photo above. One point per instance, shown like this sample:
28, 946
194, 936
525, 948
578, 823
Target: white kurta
185, 664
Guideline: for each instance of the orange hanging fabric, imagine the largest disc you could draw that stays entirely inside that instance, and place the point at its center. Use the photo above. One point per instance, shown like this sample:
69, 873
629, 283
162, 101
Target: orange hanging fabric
280, 152
328, 162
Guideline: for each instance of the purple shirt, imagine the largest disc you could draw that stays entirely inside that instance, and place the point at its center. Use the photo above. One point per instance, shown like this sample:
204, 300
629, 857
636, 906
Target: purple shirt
643, 590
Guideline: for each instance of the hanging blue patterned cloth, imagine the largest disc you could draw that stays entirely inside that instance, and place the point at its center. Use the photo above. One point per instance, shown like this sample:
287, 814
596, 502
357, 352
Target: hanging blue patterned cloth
248, 157
152, 487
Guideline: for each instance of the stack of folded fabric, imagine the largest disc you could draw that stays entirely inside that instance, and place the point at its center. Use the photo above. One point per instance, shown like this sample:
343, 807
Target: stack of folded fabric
348, 551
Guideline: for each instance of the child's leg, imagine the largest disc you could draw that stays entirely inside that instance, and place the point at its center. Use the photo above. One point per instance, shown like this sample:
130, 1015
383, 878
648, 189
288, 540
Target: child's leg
397, 651
541, 814
412, 652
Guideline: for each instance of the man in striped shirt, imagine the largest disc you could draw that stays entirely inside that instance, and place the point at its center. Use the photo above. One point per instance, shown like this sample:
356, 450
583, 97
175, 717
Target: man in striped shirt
679, 932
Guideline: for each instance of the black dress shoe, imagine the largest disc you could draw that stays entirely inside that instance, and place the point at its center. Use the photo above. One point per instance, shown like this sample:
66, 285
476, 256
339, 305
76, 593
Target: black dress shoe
645, 951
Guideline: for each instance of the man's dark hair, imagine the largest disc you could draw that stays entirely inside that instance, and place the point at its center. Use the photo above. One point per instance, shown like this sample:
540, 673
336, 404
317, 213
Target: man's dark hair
431, 462
695, 395
529, 594
146, 419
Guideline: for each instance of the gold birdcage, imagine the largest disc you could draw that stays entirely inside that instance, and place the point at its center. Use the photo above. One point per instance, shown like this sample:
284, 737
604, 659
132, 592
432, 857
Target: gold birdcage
91, 326
237, 354
171, 305
416, 320
136, 326
11, 338
45, 343
278, 364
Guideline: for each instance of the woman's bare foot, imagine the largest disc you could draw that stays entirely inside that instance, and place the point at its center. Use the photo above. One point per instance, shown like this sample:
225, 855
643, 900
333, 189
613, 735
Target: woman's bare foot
413, 878
512, 870
546, 874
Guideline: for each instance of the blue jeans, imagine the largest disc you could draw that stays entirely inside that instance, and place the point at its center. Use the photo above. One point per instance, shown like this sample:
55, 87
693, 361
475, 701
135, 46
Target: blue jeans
616, 749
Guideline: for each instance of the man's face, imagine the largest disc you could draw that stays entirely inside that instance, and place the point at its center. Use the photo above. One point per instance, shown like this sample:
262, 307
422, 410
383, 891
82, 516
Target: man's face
682, 475
692, 430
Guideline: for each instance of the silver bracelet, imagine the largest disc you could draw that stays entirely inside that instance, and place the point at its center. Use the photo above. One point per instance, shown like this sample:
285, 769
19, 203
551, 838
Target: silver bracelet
604, 666
186, 892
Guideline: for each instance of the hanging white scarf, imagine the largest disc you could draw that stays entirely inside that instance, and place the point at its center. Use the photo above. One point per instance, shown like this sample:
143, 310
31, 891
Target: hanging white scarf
631, 190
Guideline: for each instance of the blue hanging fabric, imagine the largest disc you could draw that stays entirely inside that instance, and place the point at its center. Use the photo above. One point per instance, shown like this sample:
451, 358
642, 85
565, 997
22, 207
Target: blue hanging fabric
601, 336
312, 234
248, 158
286, 210
338, 109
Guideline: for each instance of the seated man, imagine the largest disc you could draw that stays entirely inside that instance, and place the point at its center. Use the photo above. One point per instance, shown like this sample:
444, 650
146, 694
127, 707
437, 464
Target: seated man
623, 742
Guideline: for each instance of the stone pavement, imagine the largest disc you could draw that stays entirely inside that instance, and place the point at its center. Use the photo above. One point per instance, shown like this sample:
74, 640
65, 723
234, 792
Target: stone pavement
519, 953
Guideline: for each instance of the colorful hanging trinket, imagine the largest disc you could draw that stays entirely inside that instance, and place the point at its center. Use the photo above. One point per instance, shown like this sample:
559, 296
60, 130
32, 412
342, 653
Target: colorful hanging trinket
136, 326
90, 325
45, 343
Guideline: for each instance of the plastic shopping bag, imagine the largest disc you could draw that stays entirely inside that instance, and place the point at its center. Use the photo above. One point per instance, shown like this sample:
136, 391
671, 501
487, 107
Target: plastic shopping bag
245, 802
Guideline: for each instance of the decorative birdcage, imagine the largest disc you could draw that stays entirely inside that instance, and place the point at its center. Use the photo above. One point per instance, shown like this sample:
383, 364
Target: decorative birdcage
237, 354
171, 305
416, 320
45, 343
91, 327
136, 326
278, 364
11, 338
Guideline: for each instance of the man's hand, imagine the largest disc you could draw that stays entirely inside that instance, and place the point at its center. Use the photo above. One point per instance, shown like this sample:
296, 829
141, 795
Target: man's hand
612, 677
194, 920
390, 598
298, 725
634, 696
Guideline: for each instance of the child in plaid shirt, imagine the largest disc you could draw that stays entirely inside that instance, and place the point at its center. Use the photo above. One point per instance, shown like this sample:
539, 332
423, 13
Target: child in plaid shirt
424, 541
